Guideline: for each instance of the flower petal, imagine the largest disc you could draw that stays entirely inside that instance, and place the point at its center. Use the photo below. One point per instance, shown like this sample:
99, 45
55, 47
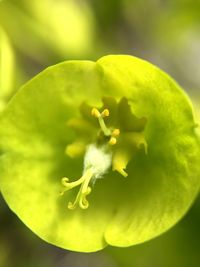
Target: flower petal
33, 137
161, 185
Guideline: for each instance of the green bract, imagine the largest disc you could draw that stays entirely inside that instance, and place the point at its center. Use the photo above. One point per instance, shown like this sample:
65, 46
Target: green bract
102, 121
6, 69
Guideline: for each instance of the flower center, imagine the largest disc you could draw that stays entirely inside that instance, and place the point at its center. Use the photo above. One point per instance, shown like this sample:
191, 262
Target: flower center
113, 146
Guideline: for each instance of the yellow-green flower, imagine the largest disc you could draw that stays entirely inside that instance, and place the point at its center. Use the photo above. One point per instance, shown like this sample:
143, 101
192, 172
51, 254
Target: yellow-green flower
99, 153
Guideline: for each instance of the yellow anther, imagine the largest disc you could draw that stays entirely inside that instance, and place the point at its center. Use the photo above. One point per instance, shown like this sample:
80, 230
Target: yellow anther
96, 113
112, 141
116, 133
105, 113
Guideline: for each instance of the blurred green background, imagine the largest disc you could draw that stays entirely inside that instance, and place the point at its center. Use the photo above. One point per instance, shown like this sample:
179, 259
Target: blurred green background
38, 33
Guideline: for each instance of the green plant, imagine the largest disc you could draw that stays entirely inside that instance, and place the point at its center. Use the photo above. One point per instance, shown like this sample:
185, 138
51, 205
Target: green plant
7, 63
120, 119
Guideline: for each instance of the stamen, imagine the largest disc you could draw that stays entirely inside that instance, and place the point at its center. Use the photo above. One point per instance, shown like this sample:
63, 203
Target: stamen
83, 191
112, 141
100, 116
95, 113
105, 113
116, 132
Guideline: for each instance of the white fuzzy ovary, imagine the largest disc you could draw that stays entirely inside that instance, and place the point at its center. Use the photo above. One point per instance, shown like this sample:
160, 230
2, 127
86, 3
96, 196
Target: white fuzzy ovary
98, 160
